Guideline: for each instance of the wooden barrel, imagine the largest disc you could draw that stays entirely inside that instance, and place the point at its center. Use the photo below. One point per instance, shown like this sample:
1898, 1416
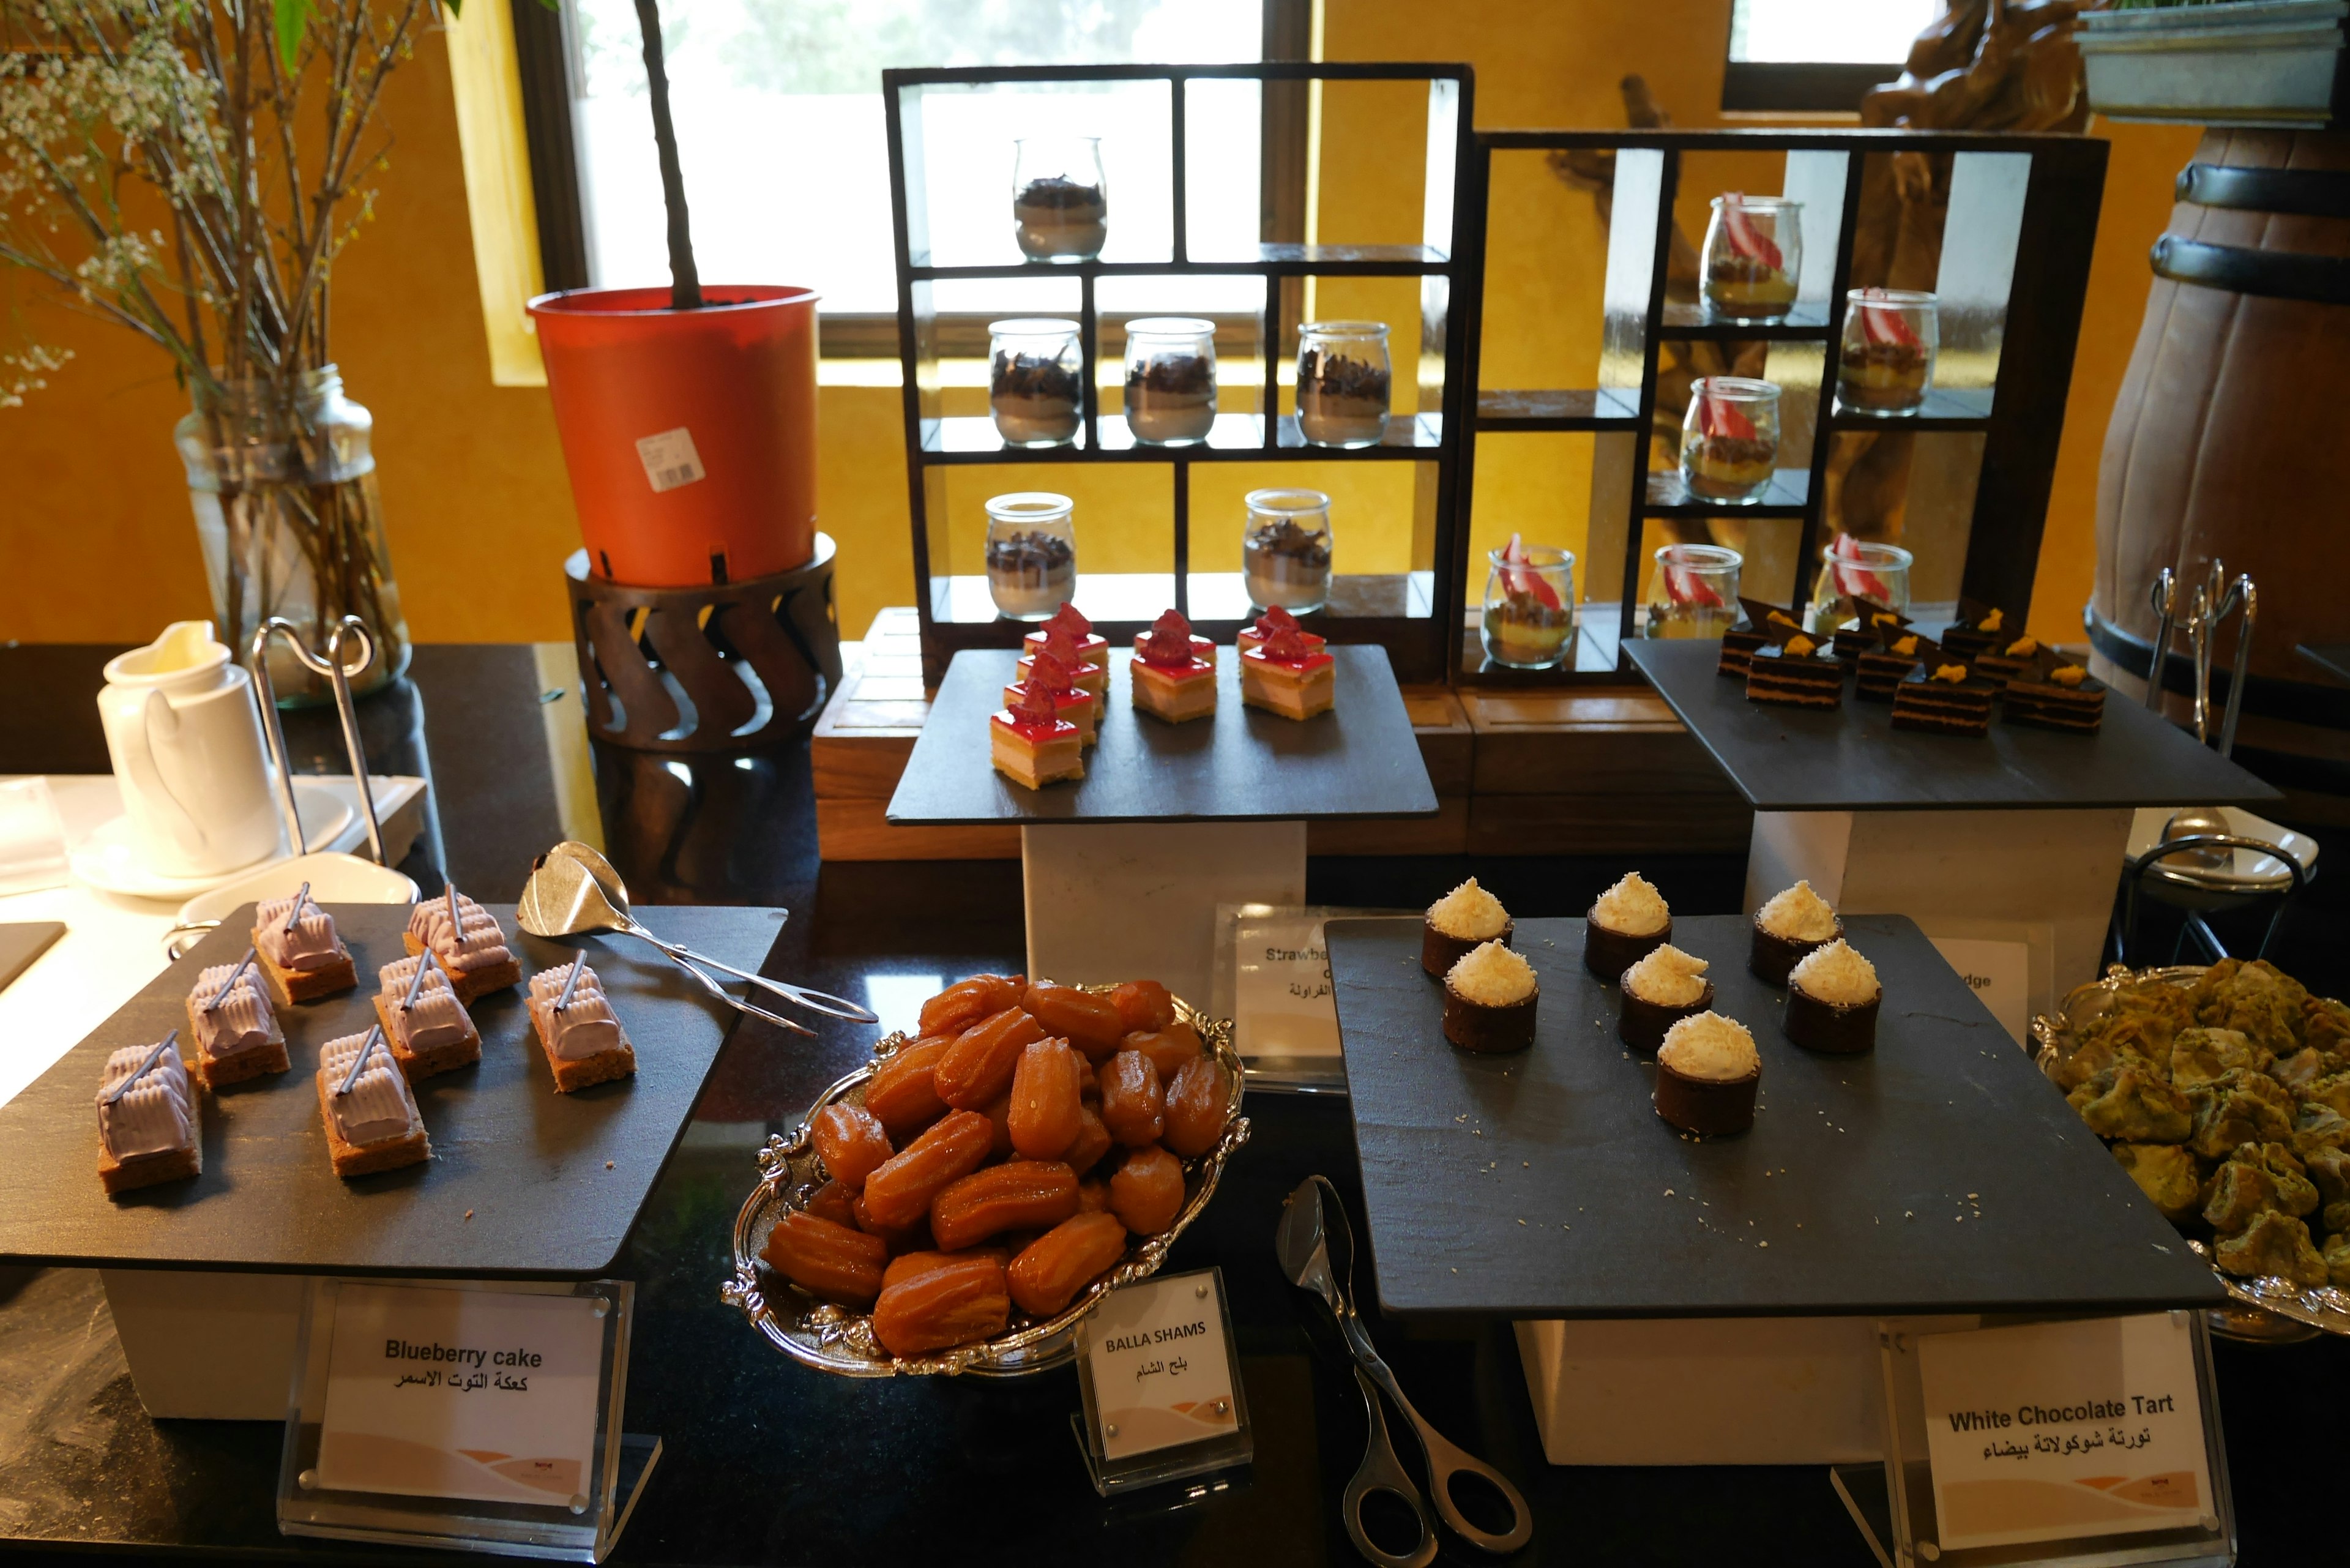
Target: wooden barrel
2232, 429
2230, 437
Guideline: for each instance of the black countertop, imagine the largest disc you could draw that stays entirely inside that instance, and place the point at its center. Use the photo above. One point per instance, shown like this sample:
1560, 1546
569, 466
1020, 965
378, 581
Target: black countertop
768, 1463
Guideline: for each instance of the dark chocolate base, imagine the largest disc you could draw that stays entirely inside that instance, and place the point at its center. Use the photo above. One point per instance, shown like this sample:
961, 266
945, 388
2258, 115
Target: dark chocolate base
1608, 954
1773, 956
1473, 1026
1703, 1106
1439, 952
1840, 1030
1642, 1024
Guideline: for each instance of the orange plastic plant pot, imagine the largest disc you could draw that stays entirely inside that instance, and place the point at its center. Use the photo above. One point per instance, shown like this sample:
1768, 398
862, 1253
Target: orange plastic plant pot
690, 435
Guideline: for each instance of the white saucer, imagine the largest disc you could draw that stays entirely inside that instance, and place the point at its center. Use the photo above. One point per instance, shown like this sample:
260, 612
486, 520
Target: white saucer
108, 861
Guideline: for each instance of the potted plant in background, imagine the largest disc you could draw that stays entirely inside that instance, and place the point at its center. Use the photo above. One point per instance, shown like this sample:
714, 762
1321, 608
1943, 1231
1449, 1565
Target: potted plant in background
190, 170
2206, 62
688, 416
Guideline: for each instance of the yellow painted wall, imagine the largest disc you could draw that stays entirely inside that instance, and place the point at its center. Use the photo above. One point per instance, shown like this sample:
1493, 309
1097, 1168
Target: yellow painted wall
94, 536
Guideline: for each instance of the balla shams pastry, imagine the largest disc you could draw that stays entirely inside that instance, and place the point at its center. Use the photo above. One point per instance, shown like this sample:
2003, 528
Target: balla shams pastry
234, 1028
372, 1119
577, 1027
428, 1028
467, 940
147, 1117
300, 953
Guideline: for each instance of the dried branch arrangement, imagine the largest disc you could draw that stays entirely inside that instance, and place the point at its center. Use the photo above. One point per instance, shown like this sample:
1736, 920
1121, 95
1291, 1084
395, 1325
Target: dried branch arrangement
191, 169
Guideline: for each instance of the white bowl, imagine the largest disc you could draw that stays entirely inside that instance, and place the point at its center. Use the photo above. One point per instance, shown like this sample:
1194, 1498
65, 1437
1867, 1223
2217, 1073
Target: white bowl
333, 877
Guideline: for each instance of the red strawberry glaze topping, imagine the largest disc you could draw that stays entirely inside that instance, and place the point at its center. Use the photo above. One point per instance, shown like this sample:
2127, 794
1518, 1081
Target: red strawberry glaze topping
1167, 644
1051, 673
1037, 715
1291, 647
1070, 620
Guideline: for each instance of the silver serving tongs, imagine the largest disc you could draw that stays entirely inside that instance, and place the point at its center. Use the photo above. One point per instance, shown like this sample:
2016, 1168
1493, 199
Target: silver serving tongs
1316, 1247
2214, 600
331, 666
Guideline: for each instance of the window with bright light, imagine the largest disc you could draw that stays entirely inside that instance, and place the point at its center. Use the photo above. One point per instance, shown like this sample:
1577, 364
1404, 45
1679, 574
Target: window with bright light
781, 132
1855, 32
1817, 54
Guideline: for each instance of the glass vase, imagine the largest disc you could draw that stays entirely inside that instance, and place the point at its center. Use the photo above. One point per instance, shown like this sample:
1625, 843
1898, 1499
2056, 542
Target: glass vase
1060, 202
1529, 611
1854, 569
1754, 257
1343, 382
282, 478
1693, 592
1887, 362
1032, 553
1285, 550
1730, 438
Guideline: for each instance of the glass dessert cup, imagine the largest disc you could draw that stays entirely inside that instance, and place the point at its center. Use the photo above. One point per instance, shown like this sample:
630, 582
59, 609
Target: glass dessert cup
1032, 553
1529, 613
1693, 592
1285, 550
1753, 254
1170, 378
1060, 200
1344, 380
1033, 380
1730, 438
1854, 569
1886, 361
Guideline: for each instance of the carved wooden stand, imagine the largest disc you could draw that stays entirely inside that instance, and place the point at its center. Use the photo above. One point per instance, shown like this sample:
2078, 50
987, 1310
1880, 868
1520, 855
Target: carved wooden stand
721, 666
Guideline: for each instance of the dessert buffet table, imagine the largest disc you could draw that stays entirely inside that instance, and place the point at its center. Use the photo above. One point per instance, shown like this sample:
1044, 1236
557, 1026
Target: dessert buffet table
766, 1462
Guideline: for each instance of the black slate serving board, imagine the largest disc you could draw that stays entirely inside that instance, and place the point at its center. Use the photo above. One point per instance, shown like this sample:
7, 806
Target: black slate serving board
1852, 759
530, 1164
1240, 766
1939, 1172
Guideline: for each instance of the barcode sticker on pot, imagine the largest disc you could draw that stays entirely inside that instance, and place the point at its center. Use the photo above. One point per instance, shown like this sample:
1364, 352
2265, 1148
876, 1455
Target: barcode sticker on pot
669, 459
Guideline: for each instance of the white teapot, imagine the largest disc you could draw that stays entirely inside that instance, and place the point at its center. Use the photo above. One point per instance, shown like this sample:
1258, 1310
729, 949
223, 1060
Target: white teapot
186, 746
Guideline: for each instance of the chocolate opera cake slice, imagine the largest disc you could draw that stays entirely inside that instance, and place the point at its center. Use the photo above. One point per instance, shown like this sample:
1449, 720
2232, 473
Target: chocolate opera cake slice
1763, 624
1796, 675
2056, 694
1944, 698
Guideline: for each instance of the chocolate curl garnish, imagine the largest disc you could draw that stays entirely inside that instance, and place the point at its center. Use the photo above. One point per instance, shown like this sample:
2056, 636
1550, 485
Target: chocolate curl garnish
1288, 643
145, 1065
1168, 642
1274, 622
1070, 620
1050, 673
1035, 706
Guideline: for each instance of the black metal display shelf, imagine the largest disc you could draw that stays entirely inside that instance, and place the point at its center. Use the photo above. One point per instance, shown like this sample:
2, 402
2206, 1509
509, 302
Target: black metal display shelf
1786, 497
2015, 272
1451, 261
1271, 261
1236, 438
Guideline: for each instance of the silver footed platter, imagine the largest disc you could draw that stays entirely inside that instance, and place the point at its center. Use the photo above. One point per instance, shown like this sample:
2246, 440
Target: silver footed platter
2269, 1309
840, 1340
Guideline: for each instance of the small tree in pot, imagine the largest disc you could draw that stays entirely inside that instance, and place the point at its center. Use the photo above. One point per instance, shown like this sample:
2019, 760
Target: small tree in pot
688, 420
